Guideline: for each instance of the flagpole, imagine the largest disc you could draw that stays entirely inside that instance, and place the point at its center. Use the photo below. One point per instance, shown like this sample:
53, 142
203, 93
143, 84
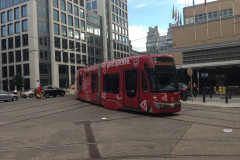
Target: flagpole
234, 20
220, 21
207, 23
195, 26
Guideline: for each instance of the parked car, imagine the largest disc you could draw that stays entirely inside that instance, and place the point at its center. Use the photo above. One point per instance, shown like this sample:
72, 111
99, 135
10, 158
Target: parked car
29, 93
5, 96
183, 90
52, 91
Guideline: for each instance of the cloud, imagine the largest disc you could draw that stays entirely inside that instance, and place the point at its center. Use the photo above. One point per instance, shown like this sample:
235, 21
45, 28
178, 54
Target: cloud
141, 5
138, 37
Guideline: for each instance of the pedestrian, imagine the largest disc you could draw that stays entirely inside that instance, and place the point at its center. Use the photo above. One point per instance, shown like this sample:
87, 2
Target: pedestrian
195, 90
39, 91
15, 92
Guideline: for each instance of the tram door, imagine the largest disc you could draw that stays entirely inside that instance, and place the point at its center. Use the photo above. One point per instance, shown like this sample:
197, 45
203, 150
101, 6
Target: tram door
94, 87
80, 89
131, 88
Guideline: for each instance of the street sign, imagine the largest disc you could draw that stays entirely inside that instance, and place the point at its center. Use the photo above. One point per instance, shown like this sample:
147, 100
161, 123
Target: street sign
190, 71
204, 75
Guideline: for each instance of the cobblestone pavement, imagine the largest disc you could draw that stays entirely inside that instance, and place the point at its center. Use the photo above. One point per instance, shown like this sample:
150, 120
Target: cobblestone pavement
63, 128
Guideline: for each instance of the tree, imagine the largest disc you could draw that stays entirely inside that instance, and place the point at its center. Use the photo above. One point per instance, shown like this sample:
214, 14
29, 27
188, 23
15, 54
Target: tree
18, 80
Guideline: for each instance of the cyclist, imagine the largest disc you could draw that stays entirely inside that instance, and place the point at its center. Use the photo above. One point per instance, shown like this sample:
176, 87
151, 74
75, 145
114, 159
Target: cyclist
39, 91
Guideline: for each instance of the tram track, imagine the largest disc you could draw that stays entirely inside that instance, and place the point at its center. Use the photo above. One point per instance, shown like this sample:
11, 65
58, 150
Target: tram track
31, 106
44, 115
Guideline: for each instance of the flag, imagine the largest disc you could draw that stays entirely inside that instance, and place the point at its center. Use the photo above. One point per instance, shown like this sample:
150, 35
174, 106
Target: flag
173, 12
218, 1
180, 18
194, 4
176, 14
205, 3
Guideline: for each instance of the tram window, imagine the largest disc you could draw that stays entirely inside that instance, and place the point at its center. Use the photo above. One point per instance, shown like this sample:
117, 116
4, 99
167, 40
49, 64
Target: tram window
93, 83
144, 83
80, 83
131, 83
111, 83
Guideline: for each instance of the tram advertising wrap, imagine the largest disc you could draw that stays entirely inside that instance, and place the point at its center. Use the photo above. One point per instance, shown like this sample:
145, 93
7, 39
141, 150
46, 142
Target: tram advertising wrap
146, 83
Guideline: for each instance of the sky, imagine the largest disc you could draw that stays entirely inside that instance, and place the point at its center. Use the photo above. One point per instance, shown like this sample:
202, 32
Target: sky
143, 14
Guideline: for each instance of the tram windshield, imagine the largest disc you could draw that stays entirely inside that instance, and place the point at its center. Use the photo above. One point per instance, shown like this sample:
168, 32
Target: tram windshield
162, 78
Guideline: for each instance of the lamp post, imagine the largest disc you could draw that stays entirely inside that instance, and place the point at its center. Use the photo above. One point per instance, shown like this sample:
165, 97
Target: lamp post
0, 85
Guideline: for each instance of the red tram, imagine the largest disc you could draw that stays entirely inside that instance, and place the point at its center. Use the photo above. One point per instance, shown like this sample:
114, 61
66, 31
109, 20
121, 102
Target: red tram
146, 83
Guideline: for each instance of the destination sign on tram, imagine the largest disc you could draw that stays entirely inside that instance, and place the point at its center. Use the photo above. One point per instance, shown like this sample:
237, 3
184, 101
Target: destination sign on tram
163, 61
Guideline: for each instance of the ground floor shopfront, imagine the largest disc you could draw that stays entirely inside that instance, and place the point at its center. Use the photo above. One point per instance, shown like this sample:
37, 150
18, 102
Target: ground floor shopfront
224, 75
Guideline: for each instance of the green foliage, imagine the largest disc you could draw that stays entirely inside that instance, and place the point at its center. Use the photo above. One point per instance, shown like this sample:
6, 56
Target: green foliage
18, 80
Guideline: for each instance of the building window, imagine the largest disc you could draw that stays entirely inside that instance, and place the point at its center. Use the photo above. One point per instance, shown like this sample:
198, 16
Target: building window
9, 15
94, 5
25, 39
19, 69
71, 44
16, 13
70, 32
65, 57
17, 41
4, 72
10, 43
56, 29
72, 57
17, 27
82, 25
70, 20
82, 3
76, 22
26, 69
76, 13
24, 11
24, 25
26, 83
3, 17
55, 15
11, 71
77, 34
4, 44
84, 48
57, 42
18, 55
78, 57
72, 70
62, 5
63, 18
88, 6
3, 31
58, 56
4, 58
55, 3
82, 36
2, 4
10, 57
25, 55
64, 31
69, 7
64, 44
82, 13
78, 47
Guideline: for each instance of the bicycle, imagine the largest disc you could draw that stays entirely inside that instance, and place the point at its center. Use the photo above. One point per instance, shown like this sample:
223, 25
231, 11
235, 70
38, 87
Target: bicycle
40, 95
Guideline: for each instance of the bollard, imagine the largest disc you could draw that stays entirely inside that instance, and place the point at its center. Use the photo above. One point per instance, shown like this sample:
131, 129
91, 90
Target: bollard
226, 98
210, 95
203, 97
230, 95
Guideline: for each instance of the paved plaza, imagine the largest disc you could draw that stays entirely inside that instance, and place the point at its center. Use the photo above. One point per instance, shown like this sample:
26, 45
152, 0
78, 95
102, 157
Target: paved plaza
63, 128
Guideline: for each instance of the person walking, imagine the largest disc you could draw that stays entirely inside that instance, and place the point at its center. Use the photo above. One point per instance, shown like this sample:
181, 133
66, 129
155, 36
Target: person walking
39, 91
195, 90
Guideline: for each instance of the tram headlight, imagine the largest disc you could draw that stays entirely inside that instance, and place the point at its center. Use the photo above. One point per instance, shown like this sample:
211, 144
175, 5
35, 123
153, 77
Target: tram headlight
155, 98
